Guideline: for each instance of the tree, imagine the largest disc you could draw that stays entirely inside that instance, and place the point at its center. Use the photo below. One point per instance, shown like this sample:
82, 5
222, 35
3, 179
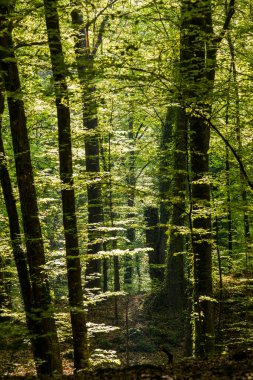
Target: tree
153, 240
77, 312
246, 221
199, 51
174, 283
45, 341
156, 126
14, 227
85, 53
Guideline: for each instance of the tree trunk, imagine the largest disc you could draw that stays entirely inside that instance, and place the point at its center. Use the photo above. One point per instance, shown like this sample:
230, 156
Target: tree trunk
46, 347
229, 212
165, 180
130, 181
85, 66
246, 221
174, 278
77, 312
151, 217
198, 55
116, 275
15, 235
5, 300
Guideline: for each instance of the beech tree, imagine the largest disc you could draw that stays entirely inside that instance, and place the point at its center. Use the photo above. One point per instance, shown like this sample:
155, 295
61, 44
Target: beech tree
85, 52
77, 311
147, 158
41, 319
199, 51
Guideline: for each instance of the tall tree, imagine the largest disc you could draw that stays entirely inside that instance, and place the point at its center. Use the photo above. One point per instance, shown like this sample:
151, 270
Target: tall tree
45, 340
14, 227
174, 282
153, 240
130, 232
77, 311
165, 180
196, 30
198, 63
85, 53
246, 220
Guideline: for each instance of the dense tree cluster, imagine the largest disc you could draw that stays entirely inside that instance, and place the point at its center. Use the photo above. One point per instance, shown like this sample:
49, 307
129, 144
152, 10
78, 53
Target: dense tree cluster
125, 161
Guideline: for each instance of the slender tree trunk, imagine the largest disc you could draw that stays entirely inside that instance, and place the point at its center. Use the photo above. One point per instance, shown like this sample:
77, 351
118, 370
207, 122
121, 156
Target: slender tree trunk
116, 282
228, 188
106, 164
174, 283
151, 217
85, 66
217, 232
5, 300
229, 212
77, 312
15, 234
246, 221
165, 180
130, 180
202, 242
46, 347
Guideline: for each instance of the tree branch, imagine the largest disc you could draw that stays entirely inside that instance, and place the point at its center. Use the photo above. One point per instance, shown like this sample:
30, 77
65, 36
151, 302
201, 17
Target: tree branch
100, 35
161, 20
138, 131
89, 23
230, 13
28, 44
102, 26
141, 171
227, 143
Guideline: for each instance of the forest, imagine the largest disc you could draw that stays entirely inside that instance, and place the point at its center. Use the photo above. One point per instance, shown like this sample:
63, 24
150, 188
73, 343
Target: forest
126, 205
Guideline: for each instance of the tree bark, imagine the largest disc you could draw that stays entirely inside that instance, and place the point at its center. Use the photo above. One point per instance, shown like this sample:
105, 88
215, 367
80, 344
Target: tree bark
46, 347
130, 181
229, 212
198, 54
246, 220
174, 283
166, 162
77, 311
85, 67
15, 234
151, 217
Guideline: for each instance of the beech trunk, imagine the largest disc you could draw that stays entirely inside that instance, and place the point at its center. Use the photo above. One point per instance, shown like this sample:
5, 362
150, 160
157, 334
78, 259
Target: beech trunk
46, 347
77, 311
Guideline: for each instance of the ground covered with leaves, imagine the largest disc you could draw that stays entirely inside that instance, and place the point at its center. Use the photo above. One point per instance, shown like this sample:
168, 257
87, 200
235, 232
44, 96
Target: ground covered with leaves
129, 340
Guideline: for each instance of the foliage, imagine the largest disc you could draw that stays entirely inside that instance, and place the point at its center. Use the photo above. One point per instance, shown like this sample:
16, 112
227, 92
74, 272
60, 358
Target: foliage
135, 81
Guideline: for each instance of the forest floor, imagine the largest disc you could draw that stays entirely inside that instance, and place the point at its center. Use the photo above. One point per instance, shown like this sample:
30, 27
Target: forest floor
130, 337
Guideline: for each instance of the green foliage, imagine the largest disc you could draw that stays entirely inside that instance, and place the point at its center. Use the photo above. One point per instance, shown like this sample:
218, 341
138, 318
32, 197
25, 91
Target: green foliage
136, 80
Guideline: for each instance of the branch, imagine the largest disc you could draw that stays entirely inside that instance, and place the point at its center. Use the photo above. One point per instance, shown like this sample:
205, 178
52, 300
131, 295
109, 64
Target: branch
141, 171
138, 131
89, 23
28, 44
230, 13
102, 26
161, 19
227, 143
100, 35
